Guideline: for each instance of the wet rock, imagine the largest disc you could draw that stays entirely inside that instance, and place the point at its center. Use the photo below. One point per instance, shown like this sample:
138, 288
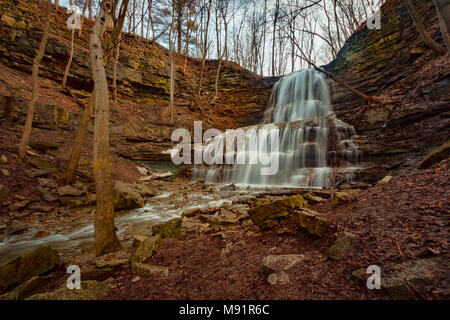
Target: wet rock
311, 220
4, 190
268, 215
40, 164
146, 248
126, 197
169, 229
143, 269
23, 268
16, 228
280, 278
90, 290
69, 191
275, 263
342, 245
435, 156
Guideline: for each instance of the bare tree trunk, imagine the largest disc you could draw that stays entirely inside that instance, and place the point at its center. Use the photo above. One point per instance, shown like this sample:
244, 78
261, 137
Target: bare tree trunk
172, 69
421, 28
90, 9
82, 17
69, 174
205, 51
443, 13
57, 5
35, 79
116, 61
66, 72
105, 239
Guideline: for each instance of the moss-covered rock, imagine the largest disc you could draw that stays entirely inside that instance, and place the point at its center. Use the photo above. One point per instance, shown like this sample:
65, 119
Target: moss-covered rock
268, 215
146, 249
435, 156
311, 221
31, 264
169, 229
342, 245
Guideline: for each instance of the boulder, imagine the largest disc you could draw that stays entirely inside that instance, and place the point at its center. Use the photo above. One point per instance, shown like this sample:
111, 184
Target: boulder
283, 262
435, 156
342, 245
90, 290
169, 229
26, 289
31, 264
146, 248
137, 240
4, 190
268, 215
143, 269
311, 220
126, 197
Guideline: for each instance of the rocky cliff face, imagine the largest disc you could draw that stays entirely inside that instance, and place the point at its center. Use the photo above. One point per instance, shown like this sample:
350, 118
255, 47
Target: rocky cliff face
411, 117
140, 127
412, 114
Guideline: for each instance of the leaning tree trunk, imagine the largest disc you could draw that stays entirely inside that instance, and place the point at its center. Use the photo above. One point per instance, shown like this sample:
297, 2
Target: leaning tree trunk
105, 239
443, 13
35, 80
421, 28
66, 72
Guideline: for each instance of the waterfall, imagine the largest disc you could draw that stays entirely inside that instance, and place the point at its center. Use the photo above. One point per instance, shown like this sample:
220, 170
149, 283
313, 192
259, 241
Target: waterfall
315, 149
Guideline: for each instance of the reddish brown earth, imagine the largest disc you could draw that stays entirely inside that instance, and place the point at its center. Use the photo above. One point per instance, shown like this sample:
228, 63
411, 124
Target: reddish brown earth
405, 219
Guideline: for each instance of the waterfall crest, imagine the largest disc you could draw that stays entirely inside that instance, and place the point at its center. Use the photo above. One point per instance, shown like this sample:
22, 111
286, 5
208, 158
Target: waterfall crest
315, 149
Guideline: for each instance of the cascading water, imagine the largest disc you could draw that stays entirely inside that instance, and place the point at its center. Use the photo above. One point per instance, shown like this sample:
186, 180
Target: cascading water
315, 148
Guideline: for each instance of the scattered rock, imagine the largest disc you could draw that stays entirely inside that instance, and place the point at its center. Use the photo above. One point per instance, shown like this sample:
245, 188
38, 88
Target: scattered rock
33, 173
47, 183
275, 263
5, 172
40, 164
16, 228
18, 205
31, 264
311, 220
42, 233
280, 277
4, 190
342, 245
40, 208
45, 195
410, 276
435, 156
143, 269
112, 260
90, 290
386, 179
137, 240
169, 229
146, 248
4, 159
313, 198
343, 197
268, 215
26, 289
69, 191
126, 197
